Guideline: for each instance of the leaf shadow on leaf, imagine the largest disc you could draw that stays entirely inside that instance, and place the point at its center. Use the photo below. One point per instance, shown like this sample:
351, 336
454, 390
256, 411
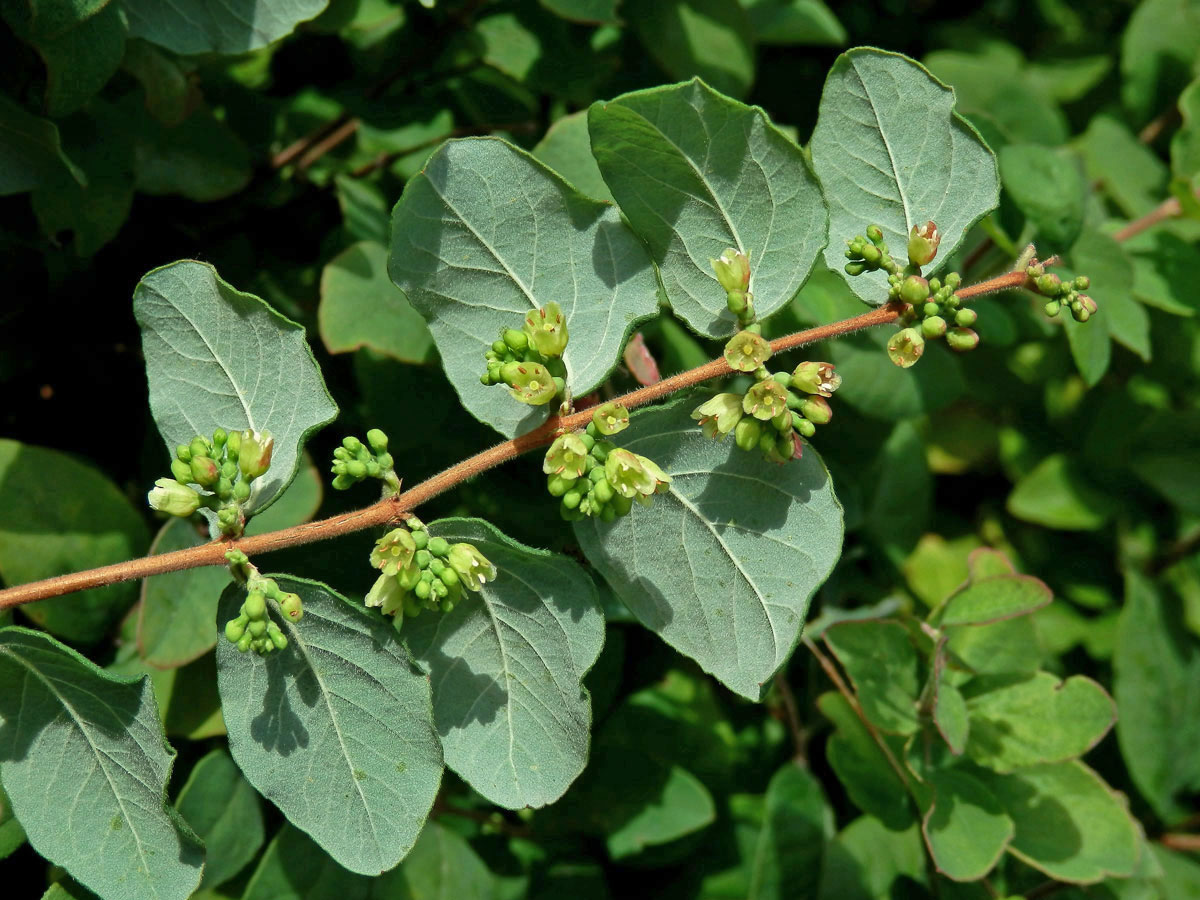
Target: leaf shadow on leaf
604, 260
1024, 803
277, 728
476, 697
756, 508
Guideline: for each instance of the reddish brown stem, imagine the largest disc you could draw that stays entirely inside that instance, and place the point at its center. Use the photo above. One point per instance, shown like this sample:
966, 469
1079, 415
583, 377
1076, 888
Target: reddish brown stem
1168, 209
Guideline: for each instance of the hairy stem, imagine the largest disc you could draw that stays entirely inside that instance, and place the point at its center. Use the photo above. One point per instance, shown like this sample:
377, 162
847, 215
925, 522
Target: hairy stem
393, 509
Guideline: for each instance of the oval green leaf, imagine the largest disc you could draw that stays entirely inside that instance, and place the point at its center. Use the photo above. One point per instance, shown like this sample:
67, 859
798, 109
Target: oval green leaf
723, 565
232, 26
226, 812
965, 828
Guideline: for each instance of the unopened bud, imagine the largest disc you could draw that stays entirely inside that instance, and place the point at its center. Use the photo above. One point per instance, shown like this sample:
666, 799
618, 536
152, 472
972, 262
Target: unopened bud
173, 498
962, 339
923, 243
914, 289
254, 457
733, 270
205, 470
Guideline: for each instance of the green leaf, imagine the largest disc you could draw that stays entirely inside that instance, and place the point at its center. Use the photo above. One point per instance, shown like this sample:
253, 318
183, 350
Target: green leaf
1091, 347
965, 828
1048, 189
200, 158
219, 358
1129, 171
862, 768
187, 696
343, 700
225, 811
1185, 143
882, 664
295, 868
86, 766
890, 150
899, 511
235, 26
365, 213
867, 857
12, 835
682, 805
796, 823
30, 150
795, 22
1104, 261
484, 234
1007, 647
360, 307
1043, 720
1162, 268
697, 173
58, 515
1167, 444
1156, 665
567, 149
440, 865
950, 714
708, 38
1070, 824
81, 43
170, 94
1158, 51
178, 609
723, 565
507, 666
992, 594
589, 12
1056, 495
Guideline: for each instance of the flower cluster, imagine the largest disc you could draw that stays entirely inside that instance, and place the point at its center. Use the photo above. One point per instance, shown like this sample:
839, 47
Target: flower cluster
529, 361
594, 477
215, 474
420, 572
1061, 293
927, 304
355, 461
733, 274
252, 628
778, 409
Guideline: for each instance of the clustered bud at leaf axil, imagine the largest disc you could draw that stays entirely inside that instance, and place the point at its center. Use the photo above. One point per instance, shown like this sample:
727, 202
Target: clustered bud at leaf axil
355, 461
216, 474
420, 572
778, 409
733, 274
1061, 294
252, 628
529, 361
596, 478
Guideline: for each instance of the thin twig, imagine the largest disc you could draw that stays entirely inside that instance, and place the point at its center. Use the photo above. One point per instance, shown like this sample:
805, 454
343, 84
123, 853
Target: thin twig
1174, 554
791, 718
1188, 843
1168, 209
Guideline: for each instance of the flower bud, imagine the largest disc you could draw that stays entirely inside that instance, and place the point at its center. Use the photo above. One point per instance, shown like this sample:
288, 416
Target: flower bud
233, 445
914, 289
610, 418
719, 415
765, 400
181, 470
874, 234
531, 383
1088, 304
254, 457
905, 347
547, 330
378, 441
235, 628
923, 243
747, 433
1052, 308
746, 351
965, 318
173, 498
962, 339
740, 303
292, 607
438, 546
816, 378
816, 410
198, 447
473, 567
1048, 284
1082, 283
567, 456
205, 470
733, 270
515, 340
255, 606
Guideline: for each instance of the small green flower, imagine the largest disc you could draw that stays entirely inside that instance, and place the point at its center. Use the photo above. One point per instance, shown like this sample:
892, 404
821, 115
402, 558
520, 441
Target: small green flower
923, 243
765, 400
746, 351
546, 329
173, 498
531, 383
719, 415
905, 347
473, 568
662, 481
386, 594
733, 270
567, 456
254, 457
394, 551
628, 474
610, 418
816, 378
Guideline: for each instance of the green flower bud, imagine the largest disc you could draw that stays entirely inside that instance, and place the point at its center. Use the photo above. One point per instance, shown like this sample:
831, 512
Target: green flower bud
198, 447
243, 643
567, 456
183, 453
872, 256
816, 378
531, 383
571, 499
409, 576
965, 318
421, 590
241, 492
1048, 284
874, 234
559, 483
1088, 304
205, 470
173, 498
740, 303
610, 418
625, 471
419, 534
733, 270
233, 445
181, 470
219, 438
423, 558
602, 491
817, 410
1052, 308
449, 577
292, 607
378, 440
254, 457
517, 341
473, 567
498, 347
255, 605
235, 628
962, 339
747, 433
276, 637
854, 268
933, 327
343, 481
1082, 283
803, 426
393, 551
719, 415
905, 347
914, 289
436, 565
923, 243
547, 330
765, 400
746, 351
439, 546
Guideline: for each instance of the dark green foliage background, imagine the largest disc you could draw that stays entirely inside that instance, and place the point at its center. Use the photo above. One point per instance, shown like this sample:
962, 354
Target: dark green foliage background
1076, 459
